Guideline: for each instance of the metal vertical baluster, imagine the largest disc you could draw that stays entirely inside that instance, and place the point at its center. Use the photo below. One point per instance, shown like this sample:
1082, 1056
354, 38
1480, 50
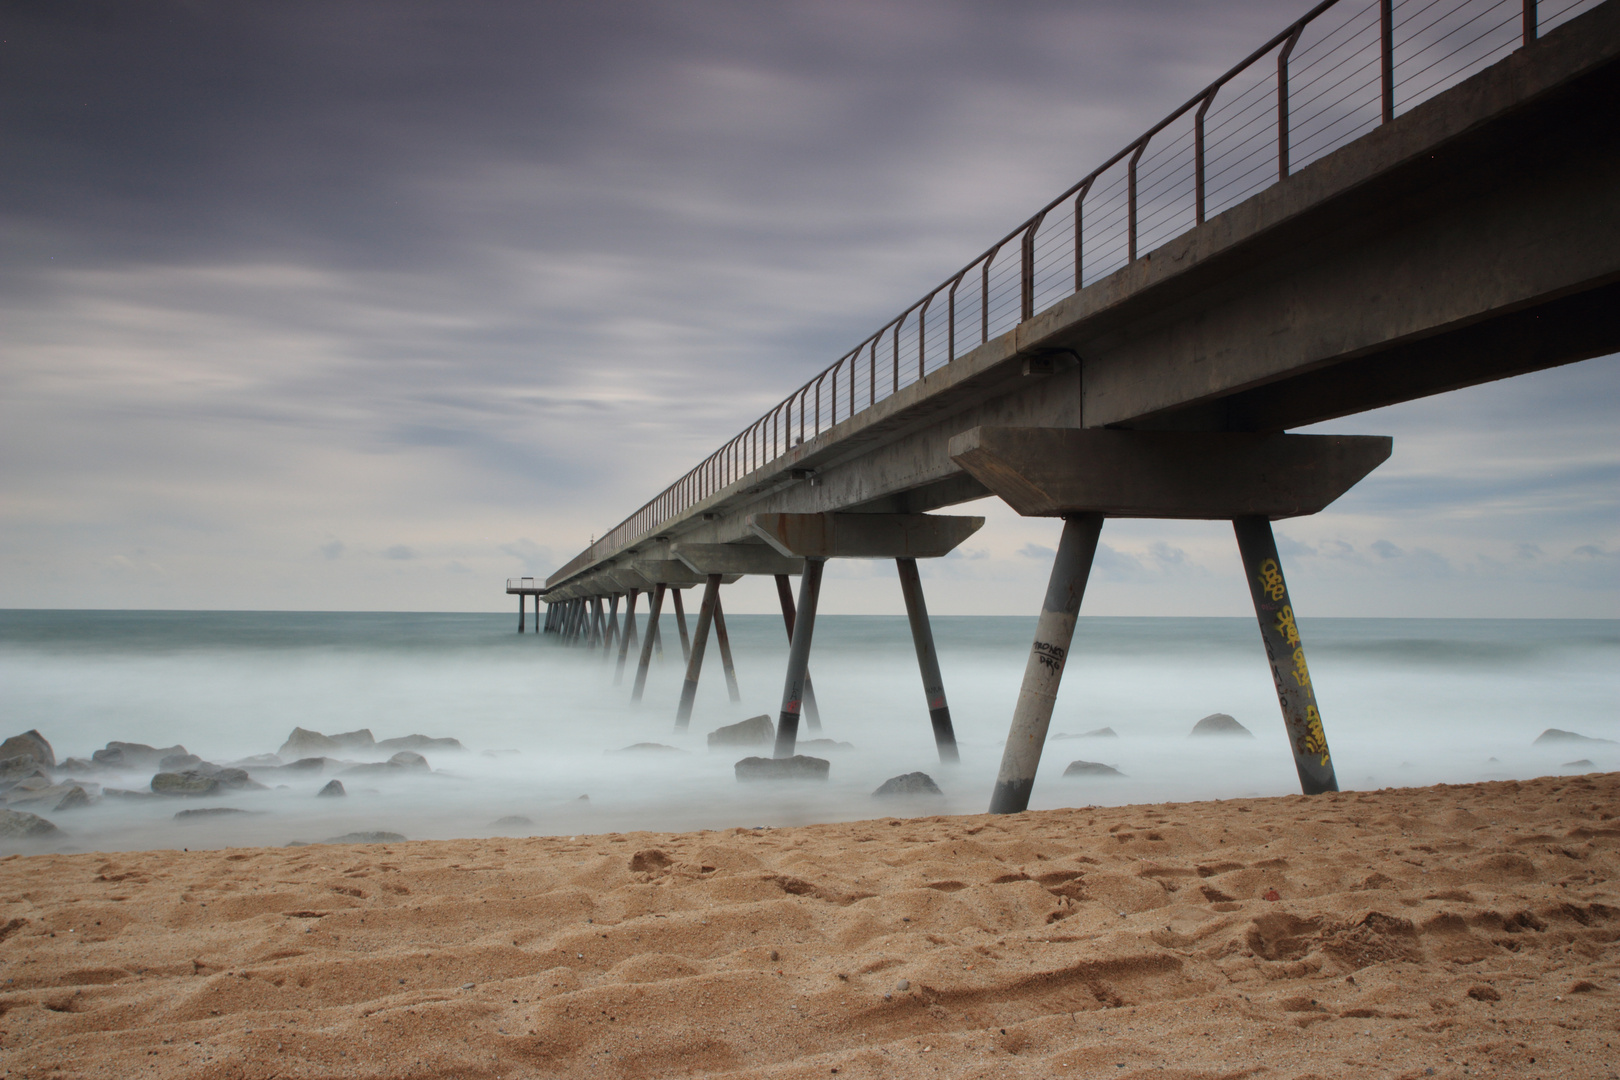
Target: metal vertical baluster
1282, 101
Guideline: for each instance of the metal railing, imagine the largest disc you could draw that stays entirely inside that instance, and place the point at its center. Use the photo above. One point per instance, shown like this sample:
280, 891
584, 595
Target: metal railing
1338, 72
523, 583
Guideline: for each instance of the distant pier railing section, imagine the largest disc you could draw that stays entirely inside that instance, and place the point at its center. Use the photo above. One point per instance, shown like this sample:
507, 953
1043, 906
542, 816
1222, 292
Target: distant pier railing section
1339, 71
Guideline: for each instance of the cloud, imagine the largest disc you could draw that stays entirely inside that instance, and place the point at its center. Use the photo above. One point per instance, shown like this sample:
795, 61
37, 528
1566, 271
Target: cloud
400, 551
332, 550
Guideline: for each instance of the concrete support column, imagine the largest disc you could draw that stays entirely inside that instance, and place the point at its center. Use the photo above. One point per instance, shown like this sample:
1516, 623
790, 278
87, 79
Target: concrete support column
1287, 655
787, 722
1044, 671
724, 640
700, 643
680, 624
612, 638
537, 613
521, 610
627, 639
922, 636
784, 593
648, 645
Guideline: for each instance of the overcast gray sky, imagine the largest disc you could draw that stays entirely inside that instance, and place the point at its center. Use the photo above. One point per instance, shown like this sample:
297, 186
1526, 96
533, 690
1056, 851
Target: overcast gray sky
354, 305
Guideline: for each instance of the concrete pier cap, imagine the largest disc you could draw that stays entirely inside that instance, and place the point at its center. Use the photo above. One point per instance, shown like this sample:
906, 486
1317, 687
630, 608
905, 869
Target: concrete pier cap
1052, 472
736, 559
863, 536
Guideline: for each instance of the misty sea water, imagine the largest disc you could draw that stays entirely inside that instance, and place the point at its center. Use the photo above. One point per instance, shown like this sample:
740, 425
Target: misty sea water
1405, 702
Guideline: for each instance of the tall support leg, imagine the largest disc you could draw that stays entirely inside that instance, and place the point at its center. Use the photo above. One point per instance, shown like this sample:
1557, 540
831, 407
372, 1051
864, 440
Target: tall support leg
551, 617
521, 610
680, 624
567, 627
627, 639
922, 636
787, 722
648, 646
537, 613
1044, 671
598, 622
700, 643
784, 593
612, 638
1287, 656
723, 639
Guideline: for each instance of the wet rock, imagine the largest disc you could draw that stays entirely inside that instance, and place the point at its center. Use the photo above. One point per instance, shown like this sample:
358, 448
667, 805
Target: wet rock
235, 779
1099, 733
355, 740
207, 812
407, 759
32, 743
179, 762
20, 767
797, 767
332, 790
313, 764
1554, 735
20, 825
755, 731
646, 748
74, 798
366, 838
51, 796
258, 761
911, 783
133, 755
422, 742
304, 743
402, 762
1091, 768
189, 783
1221, 724
74, 766
126, 793
512, 821
822, 746
22, 787
1584, 763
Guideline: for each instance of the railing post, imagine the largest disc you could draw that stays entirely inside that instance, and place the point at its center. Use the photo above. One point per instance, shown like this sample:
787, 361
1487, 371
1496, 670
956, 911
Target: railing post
1386, 52
1026, 274
1529, 21
1282, 101
1079, 234
1130, 210
950, 316
1198, 151
922, 336
896, 344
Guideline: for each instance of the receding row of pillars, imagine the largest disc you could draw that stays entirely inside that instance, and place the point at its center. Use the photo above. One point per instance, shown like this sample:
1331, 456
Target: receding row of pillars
584, 620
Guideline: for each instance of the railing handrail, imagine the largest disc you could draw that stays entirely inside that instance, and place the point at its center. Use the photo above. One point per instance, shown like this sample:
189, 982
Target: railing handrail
730, 463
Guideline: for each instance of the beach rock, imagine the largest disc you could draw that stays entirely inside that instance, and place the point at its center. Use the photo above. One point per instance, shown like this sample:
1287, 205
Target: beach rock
32, 743
236, 779
179, 762
258, 761
1584, 763
366, 838
304, 743
125, 793
1090, 768
1221, 724
21, 786
911, 783
755, 731
414, 762
333, 789
355, 740
18, 768
647, 748
512, 821
797, 767
54, 796
74, 798
312, 764
1099, 733
75, 765
496, 753
822, 746
133, 755
207, 812
402, 762
1554, 735
422, 742
19, 825
185, 783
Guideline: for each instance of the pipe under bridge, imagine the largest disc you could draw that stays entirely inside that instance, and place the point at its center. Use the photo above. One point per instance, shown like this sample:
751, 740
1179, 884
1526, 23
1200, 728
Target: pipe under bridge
1385, 201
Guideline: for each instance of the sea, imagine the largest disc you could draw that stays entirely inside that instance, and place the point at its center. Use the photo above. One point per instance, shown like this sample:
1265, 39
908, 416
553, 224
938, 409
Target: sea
1405, 702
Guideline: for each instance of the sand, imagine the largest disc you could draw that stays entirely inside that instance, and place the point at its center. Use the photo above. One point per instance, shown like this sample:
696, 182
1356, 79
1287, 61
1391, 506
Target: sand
1466, 930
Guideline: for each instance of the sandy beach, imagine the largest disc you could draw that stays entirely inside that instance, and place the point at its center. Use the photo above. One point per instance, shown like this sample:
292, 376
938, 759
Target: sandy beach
1447, 931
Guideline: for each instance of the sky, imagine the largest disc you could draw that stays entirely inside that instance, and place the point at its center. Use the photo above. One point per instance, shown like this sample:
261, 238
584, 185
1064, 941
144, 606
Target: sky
364, 306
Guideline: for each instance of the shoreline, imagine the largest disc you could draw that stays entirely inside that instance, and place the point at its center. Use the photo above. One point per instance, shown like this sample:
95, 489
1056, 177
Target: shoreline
1411, 929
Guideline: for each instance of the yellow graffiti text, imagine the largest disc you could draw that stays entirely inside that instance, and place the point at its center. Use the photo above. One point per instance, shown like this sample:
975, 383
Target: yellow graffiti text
1271, 580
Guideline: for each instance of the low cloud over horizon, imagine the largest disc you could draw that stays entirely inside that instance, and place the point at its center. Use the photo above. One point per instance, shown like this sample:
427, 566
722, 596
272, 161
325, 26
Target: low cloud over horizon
369, 306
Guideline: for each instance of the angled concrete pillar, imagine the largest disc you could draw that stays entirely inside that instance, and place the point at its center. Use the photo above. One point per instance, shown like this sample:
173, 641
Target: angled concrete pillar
724, 641
1280, 633
787, 721
700, 642
922, 636
784, 594
649, 644
680, 624
1043, 672
628, 638
612, 638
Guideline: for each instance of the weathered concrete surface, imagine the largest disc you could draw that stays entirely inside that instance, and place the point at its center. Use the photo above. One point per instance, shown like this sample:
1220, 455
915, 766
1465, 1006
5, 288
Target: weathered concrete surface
1213, 475
736, 559
864, 536
1475, 237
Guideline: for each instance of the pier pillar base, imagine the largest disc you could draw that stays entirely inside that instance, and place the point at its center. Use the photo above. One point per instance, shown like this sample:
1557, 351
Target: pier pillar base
922, 636
787, 723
